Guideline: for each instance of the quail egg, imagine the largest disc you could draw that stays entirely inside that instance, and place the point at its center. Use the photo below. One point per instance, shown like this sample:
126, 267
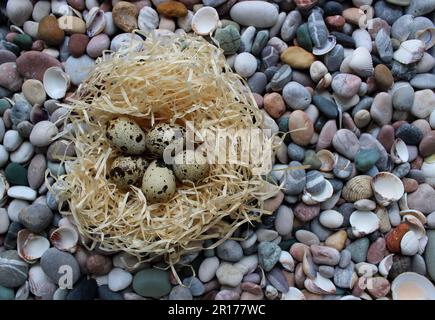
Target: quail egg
126, 135
127, 170
163, 135
158, 182
190, 165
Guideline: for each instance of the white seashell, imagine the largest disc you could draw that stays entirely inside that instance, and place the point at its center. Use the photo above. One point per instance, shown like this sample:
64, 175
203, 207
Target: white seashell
410, 51
387, 188
409, 244
331, 219
56, 82
40, 284
415, 225
422, 243
4, 186
293, 294
65, 239
318, 70
418, 214
30, 246
363, 223
322, 196
320, 285
327, 158
427, 36
287, 261
205, 21
23, 292
399, 152
412, 286
95, 22
403, 202
362, 62
346, 104
385, 265
61, 8
65, 222
308, 266
362, 39
329, 45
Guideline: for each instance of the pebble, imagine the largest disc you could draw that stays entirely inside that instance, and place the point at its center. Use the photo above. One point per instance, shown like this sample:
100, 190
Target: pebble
43, 133
78, 68
358, 249
86, 289
229, 275
229, 39
19, 11
345, 258
346, 143
331, 219
294, 180
327, 107
13, 270
296, 96
323, 255
305, 212
284, 220
410, 134
423, 199
33, 64
152, 283
53, 261
297, 57
207, 269
278, 280
230, 251
22, 193
344, 277
245, 64
125, 16
259, 14
301, 128
268, 255
97, 45
119, 279
148, 19
307, 237
180, 293
424, 103
104, 293
50, 32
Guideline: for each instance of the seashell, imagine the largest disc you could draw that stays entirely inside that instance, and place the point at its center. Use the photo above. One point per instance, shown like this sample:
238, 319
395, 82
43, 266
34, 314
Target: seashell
287, 261
399, 152
385, 265
363, 223
422, 243
415, 225
30, 246
205, 21
412, 286
401, 28
427, 36
4, 186
358, 188
65, 239
95, 22
387, 188
361, 62
56, 82
362, 39
325, 194
343, 167
293, 294
23, 292
40, 284
327, 158
418, 214
410, 51
330, 43
346, 103
308, 266
409, 244
320, 285
403, 202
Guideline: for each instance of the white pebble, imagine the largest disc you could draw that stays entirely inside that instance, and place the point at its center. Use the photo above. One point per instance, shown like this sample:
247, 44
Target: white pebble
432, 120
12, 140
207, 269
4, 221
23, 154
110, 28
331, 219
22, 193
148, 19
245, 64
119, 279
14, 208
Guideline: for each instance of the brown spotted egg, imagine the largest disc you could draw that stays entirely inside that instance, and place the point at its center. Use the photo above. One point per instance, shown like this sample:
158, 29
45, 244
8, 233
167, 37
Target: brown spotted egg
190, 165
127, 170
158, 182
126, 135
163, 135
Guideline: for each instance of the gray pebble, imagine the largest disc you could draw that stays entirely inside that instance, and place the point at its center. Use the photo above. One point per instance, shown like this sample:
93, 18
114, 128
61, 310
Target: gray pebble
257, 82
296, 96
230, 250
281, 78
53, 262
13, 270
295, 152
345, 258
180, 293
268, 255
195, 286
36, 217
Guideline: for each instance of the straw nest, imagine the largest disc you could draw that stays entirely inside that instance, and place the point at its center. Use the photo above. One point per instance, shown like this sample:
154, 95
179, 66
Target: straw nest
172, 79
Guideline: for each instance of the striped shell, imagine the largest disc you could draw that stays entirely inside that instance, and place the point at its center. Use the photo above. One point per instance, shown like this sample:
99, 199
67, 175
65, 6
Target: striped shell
358, 188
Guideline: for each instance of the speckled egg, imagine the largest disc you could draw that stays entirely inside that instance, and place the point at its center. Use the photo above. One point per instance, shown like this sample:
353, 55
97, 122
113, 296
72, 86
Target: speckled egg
127, 170
190, 165
126, 135
162, 135
158, 182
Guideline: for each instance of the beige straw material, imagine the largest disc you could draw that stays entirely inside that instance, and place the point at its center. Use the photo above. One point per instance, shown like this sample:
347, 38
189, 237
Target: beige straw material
172, 79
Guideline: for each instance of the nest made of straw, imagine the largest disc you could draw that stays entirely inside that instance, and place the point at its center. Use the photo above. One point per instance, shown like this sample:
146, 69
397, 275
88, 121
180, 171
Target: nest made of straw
170, 79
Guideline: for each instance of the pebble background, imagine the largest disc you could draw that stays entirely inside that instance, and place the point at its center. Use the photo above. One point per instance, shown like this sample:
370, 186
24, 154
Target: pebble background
362, 98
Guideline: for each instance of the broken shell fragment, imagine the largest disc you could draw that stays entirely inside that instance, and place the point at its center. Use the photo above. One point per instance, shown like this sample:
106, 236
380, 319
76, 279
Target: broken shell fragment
409, 245
95, 22
320, 285
327, 159
363, 223
387, 188
412, 286
56, 82
385, 265
410, 51
415, 225
399, 152
205, 21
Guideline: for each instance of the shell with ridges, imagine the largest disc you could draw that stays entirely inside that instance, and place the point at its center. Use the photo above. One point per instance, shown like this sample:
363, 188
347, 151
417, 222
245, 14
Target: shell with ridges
401, 28
56, 82
387, 188
362, 39
40, 284
327, 159
358, 188
412, 286
363, 223
410, 51
30, 246
362, 62
399, 152
385, 265
427, 36
65, 239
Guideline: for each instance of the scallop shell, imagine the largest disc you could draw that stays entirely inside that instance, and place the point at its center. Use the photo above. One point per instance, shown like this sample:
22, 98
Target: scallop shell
329, 45
362, 62
363, 223
293, 294
40, 284
418, 214
387, 188
205, 21
401, 28
23, 292
95, 22
362, 39
65, 239
358, 188
322, 196
399, 152
385, 265
410, 51
415, 225
409, 244
412, 286
56, 82
327, 159
30, 246
320, 285
427, 36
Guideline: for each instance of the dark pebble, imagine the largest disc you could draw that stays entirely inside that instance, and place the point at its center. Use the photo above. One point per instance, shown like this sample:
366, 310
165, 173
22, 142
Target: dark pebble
409, 133
10, 242
344, 39
332, 8
85, 289
104, 293
400, 265
334, 58
326, 106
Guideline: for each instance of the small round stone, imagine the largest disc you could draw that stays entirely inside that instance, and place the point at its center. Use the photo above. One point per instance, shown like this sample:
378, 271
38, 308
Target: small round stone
245, 64
42, 133
36, 217
230, 250
13, 270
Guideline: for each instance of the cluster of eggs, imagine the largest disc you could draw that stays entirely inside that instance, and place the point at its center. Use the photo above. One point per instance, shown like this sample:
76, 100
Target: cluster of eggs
158, 179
